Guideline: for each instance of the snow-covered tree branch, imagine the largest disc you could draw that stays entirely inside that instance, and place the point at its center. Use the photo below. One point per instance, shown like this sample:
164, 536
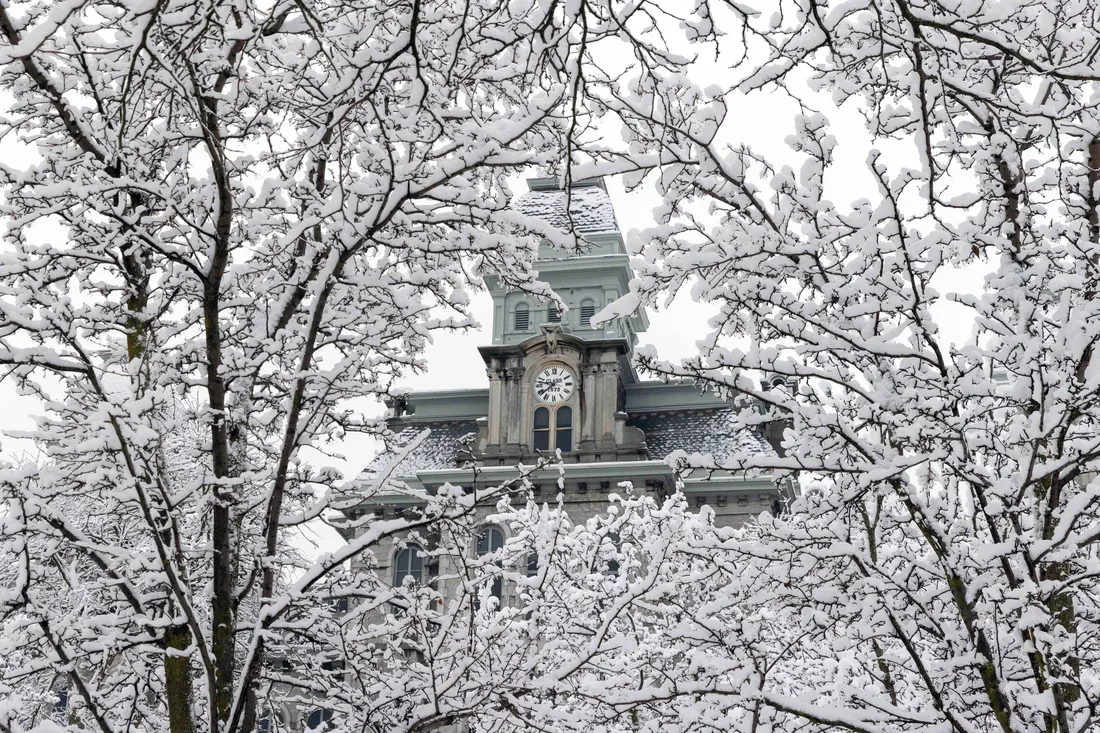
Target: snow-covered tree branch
234, 219
948, 548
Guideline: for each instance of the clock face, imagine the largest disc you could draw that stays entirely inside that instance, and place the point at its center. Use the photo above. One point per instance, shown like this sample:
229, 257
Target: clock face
554, 384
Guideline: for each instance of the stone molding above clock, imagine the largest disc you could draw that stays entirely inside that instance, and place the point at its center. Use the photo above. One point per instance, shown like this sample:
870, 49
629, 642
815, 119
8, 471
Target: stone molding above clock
599, 429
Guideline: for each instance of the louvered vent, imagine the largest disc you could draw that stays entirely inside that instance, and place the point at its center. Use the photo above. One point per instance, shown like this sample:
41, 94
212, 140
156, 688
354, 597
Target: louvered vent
553, 315
587, 311
523, 319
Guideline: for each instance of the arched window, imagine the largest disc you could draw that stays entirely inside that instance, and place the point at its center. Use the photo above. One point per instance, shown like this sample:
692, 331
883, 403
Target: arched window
560, 437
563, 428
272, 720
409, 563
522, 317
588, 309
553, 315
613, 556
490, 540
318, 719
313, 720
542, 428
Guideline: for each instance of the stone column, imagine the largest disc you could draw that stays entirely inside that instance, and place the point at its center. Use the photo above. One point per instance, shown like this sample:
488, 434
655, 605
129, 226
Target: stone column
496, 401
589, 372
514, 428
607, 392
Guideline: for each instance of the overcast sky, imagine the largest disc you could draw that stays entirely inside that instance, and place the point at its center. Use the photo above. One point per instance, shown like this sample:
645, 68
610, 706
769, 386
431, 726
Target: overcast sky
453, 360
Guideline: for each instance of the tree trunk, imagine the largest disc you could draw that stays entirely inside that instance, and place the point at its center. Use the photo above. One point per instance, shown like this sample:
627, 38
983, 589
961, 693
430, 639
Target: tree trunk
177, 637
177, 678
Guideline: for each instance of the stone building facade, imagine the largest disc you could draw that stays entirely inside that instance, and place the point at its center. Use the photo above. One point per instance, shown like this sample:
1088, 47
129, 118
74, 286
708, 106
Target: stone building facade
556, 381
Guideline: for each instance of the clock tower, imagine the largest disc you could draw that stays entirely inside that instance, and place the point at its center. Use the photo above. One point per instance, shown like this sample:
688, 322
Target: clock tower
560, 385
556, 381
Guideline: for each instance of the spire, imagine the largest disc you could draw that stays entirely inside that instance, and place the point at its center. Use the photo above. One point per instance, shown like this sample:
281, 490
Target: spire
586, 282
589, 206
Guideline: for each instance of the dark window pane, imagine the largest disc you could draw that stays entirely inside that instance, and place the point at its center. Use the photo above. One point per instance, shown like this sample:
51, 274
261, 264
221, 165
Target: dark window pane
542, 418
542, 429
409, 563
613, 562
564, 417
491, 539
318, 719
563, 435
532, 564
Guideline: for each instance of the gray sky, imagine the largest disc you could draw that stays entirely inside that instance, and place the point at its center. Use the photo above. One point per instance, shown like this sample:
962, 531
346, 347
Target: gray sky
453, 360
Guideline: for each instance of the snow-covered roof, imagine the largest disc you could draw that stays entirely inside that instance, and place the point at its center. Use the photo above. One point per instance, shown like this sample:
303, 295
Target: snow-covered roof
587, 204
425, 446
714, 432
431, 446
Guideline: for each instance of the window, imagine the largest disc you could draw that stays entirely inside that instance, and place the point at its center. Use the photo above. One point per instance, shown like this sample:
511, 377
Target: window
61, 701
409, 563
553, 315
532, 564
319, 720
561, 437
588, 309
523, 317
490, 540
563, 428
613, 556
336, 667
272, 720
542, 428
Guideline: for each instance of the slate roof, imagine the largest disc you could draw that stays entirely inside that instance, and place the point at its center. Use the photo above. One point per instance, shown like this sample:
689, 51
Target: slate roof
590, 206
707, 431
435, 445
421, 447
